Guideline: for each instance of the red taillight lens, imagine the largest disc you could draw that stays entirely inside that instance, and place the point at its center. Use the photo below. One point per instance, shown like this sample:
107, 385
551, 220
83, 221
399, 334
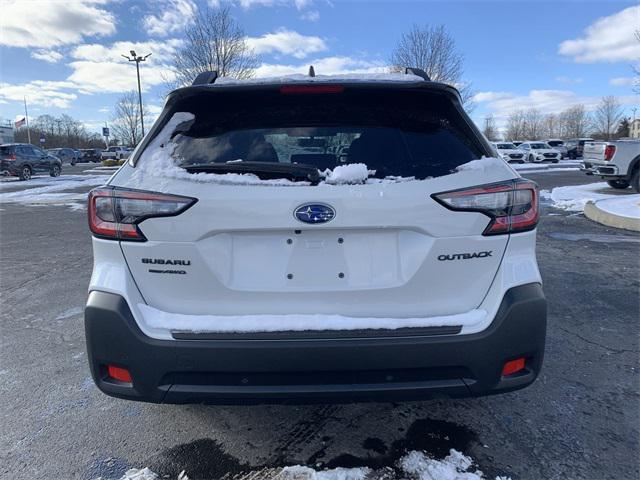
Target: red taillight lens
306, 89
120, 374
512, 206
115, 213
513, 366
11, 157
609, 151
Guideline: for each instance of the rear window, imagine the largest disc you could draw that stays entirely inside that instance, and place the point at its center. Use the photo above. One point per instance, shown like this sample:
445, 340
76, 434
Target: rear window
6, 150
394, 132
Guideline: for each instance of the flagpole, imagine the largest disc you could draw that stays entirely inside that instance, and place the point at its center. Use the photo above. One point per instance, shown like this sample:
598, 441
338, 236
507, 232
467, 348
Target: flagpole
26, 115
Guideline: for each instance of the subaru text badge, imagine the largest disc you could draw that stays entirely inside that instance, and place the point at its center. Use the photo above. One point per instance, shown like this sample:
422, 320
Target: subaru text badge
314, 213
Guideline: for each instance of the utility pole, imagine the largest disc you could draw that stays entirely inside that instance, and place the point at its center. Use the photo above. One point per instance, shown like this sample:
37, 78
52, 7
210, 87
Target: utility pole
138, 59
26, 116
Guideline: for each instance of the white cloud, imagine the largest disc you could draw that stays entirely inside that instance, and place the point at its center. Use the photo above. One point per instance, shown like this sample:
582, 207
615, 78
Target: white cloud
287, 42
622, 81
162, 51
323, 66
608, 39
569, 80
49, 56
104, 109
101, 68
311, 16
175, 16
502, 104
46, 24
40, 92
111, 77
299, 4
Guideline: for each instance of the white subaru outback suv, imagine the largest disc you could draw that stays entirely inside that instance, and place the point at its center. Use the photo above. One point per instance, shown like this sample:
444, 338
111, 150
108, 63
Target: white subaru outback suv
238, 259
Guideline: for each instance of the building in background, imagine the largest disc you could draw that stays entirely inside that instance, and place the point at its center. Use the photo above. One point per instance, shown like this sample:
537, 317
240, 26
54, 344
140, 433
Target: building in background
634, 128
6, 134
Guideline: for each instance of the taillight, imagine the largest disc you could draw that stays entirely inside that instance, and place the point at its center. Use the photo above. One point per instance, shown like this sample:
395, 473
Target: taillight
11, 157
305, 89
609, 151
512, 206
115, 213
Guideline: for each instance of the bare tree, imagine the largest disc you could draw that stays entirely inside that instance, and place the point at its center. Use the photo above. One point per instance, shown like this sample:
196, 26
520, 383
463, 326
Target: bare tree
575, 121
533, 127
433, 49
551, 126
214, 42
607, 116
490, 129
515, 129
126, 124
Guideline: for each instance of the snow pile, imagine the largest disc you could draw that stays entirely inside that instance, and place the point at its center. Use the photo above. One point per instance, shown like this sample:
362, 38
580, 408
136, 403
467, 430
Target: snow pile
627, 206
296, 323
300, 78
157, 161
574, 197
350, 174
298, 472
415, 465
52, 191
483, 165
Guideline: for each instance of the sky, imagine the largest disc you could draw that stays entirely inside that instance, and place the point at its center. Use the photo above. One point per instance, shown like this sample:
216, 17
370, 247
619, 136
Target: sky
64, 55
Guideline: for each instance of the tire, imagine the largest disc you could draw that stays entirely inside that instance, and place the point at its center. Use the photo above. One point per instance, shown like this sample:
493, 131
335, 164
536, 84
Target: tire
619, 184
635, 180
55, 171
531, 159
25, 173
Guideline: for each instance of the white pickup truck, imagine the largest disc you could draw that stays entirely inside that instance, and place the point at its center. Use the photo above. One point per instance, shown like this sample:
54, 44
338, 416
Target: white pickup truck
115, 153
618, 162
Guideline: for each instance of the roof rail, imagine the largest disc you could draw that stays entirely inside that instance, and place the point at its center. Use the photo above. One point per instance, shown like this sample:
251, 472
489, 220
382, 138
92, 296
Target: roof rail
205, 78
418, 72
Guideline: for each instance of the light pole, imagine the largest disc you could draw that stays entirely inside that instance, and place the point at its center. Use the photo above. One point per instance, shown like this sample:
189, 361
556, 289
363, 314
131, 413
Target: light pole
138, 59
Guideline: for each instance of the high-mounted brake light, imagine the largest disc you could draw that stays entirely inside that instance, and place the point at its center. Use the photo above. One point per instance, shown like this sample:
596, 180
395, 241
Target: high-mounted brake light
512, 206
305, 89
609, 151
115, 213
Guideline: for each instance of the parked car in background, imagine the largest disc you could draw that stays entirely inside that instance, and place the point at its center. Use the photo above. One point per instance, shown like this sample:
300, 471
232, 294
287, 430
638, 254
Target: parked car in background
617, 162
115, 153
539, 152
575, 146
23, 160
558, 144
91, 154
251, 290
66, 155
510, 153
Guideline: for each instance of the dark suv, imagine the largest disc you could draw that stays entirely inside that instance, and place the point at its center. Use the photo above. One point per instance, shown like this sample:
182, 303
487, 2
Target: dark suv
575, 147
23, 160
91, 155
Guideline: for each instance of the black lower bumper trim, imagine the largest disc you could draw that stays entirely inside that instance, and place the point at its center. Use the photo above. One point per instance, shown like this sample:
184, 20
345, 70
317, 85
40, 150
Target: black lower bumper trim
284, 370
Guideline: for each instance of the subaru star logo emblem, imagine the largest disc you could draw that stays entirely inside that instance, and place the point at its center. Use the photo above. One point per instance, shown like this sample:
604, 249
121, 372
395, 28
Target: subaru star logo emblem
314, 213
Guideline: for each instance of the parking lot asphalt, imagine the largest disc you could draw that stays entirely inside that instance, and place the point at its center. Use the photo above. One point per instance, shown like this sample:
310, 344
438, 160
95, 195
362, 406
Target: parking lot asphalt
578, 421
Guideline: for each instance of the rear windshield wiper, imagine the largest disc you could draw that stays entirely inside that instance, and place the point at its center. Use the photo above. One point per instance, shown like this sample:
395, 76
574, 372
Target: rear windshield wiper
264, 170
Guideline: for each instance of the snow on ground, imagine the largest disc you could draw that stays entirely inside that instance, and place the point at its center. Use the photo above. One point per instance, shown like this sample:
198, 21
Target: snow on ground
296, 323
52, 191
623, 206
413, 466
562, 166
574, 197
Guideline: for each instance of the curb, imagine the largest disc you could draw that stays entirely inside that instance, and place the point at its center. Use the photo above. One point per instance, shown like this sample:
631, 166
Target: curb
593, 212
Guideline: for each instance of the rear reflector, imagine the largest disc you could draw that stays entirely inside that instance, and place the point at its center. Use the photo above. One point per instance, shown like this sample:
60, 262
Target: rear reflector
513, 366
609, 151
115, 213
511, 205
120, 374
306, 89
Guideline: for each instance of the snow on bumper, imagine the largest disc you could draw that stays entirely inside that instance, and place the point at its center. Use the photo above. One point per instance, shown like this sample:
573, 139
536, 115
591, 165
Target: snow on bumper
240, 369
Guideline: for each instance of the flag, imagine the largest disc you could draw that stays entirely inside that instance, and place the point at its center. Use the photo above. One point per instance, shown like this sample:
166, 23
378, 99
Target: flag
20, 122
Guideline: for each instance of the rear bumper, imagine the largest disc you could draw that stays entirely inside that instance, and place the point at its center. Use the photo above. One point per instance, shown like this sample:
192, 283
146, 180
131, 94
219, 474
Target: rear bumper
607, 170
233, 371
